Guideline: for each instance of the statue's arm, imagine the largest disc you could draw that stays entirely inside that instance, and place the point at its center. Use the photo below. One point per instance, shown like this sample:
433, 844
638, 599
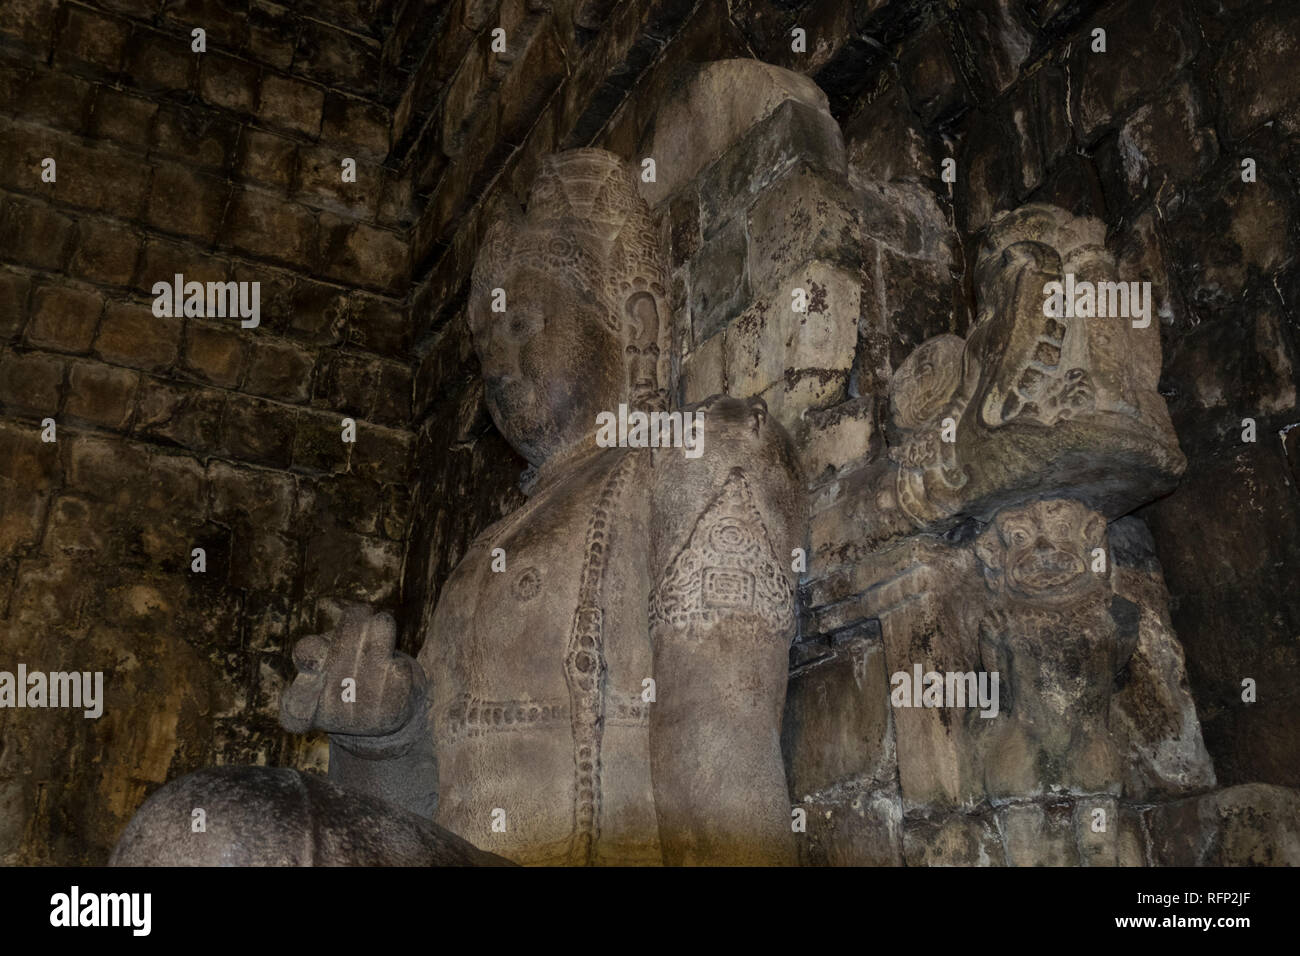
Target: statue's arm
722, 615
373, 701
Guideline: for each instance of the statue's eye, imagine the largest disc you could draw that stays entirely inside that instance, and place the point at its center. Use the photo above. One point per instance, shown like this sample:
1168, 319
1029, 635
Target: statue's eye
633, 350
652, 350
1019, 536
524, 325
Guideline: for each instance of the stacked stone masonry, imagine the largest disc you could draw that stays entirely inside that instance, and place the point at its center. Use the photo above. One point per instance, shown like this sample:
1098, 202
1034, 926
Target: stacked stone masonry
819, 171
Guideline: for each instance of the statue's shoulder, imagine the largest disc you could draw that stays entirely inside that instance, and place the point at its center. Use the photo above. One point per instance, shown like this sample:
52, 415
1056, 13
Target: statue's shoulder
732, 441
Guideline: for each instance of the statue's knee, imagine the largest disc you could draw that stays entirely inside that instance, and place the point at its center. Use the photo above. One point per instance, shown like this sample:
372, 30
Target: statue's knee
260, 816
225, 816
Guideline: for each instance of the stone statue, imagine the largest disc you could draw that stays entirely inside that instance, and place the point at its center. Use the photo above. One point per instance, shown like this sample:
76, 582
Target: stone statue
1028, 401
1058, 636
603, 678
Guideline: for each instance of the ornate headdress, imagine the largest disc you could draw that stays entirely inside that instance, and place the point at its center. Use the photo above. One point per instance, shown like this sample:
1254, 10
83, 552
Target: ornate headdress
587, 223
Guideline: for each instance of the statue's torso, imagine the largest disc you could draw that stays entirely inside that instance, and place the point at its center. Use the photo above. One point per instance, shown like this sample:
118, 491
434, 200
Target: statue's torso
508, 675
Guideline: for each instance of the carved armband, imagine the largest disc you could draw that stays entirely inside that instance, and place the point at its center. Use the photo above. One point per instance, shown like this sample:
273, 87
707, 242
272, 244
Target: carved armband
728, 567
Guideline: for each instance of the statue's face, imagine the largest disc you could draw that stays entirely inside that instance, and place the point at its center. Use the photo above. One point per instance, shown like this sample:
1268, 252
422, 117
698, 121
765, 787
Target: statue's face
926, 381
1044, 550
550, 363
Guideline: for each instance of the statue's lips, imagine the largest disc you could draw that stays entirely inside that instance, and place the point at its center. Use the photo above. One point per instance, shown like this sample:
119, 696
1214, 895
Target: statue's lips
1047, 571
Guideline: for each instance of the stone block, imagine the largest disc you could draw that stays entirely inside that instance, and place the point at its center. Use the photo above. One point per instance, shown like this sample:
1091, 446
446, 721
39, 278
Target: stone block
279, 370
63, 318
1255, 76
30, 382
337, 58
214, 354
837, 438
259, 431
267, 157
382, 454
187, 203
955, 839
346, 383
261, 498
719, 281
131, 335
928, 67
35, 235
1249, 825
196, 137
228, 82
836, 725
185, 416
352, 566
1146, 44
123, 117
13, 303
356, 253
792, 133
105, 252
852, 829
320, 182
164, 258
291, 104
718, 108
318, 445
357, 124
1039, 835
159, 63
267, 226
1166, 139
803, 216
263, 560
272, 34
918, 596
885, 143
101, 394
91, 38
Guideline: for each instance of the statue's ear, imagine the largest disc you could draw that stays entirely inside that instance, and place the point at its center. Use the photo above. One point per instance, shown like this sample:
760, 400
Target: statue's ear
1094, 529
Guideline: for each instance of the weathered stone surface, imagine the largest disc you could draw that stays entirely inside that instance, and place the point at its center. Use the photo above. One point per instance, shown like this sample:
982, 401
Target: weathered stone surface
852, 829
1146, 43
713, 111
1153, 706
1058, 385
718, 583
1254, 75
224, 166
956, 839
258, 816
1250, 825
1038, 835
836, 724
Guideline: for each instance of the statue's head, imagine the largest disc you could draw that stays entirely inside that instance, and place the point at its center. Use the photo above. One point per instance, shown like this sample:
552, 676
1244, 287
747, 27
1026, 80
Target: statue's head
1033, 244
927, 381
568, 306
1043, 552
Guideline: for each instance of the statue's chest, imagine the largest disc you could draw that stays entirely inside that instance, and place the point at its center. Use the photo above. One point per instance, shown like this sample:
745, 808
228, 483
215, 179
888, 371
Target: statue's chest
535, 579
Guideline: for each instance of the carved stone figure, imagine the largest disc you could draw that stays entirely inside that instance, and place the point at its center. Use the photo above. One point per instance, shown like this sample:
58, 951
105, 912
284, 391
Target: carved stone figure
603, 679
1058, 636
1031, 401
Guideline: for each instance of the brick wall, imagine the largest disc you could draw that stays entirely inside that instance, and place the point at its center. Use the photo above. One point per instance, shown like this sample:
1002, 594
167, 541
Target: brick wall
182, 433
177, 433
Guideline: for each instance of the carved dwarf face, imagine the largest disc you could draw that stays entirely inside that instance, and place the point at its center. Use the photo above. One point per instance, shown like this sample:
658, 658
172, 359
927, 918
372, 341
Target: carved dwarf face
550, 362
1042, 552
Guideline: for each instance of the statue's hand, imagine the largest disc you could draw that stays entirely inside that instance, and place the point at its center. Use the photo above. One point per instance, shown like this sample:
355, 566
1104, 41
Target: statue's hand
352, 681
